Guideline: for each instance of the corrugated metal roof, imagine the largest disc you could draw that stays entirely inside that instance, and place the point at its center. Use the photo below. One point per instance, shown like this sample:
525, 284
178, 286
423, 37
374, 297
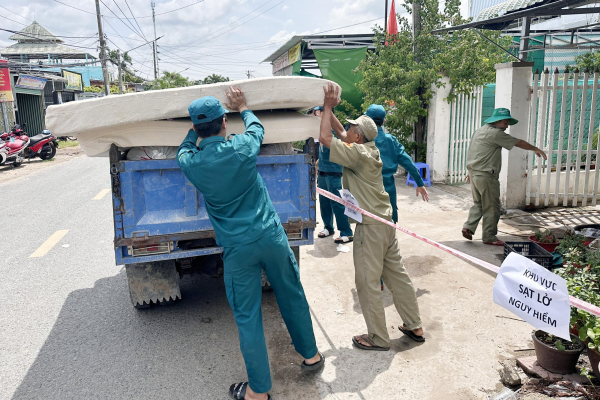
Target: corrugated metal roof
42, 49
502, 8
35, 33
478, 6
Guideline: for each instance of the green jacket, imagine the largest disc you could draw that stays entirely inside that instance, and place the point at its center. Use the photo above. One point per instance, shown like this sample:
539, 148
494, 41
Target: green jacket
392, 155
224, 171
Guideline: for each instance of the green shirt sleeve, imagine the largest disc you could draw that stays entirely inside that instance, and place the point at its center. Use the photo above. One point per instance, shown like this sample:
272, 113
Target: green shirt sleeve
503, 139
187, 150
347, 155
249, 143
407, 163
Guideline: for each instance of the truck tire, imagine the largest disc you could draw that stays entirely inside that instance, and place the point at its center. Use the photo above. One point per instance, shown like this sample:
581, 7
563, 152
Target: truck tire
155, 283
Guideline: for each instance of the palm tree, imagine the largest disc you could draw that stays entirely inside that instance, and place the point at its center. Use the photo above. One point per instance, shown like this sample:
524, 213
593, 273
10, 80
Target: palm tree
170, 80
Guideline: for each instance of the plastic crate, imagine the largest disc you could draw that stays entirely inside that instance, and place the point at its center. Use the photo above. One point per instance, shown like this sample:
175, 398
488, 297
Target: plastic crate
530, 250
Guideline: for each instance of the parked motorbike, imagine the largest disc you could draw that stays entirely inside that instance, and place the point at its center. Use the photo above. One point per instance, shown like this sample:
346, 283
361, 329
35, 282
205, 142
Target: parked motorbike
12, 147
43, 145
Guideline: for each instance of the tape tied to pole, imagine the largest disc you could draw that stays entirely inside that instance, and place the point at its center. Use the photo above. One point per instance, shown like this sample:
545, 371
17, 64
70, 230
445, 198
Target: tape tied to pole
575, 302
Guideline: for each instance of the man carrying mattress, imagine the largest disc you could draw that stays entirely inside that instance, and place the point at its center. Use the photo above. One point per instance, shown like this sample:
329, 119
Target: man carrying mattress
248, 228
376, 251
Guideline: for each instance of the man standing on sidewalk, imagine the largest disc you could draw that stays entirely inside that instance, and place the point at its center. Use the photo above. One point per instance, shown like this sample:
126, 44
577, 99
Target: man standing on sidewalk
484, 160
248, 228
376, 251
330, 179
392, 155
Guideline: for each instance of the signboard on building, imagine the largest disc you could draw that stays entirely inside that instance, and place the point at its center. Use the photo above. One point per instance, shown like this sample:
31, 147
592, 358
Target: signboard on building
288, 58
294, 53
74, 81
31, 82
5, 83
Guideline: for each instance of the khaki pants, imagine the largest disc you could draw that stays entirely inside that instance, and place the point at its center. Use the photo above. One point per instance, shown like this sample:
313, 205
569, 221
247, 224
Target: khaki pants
376, 254
485, 188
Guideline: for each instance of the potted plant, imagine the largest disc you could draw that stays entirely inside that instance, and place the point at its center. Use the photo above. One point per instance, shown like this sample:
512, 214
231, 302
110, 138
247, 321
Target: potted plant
591, 331
545, 239
555, 354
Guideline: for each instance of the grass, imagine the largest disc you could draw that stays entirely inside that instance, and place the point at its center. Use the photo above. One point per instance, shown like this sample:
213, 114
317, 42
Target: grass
67, 143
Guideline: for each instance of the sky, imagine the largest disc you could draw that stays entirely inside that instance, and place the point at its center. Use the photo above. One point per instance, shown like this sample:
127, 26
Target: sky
225, 37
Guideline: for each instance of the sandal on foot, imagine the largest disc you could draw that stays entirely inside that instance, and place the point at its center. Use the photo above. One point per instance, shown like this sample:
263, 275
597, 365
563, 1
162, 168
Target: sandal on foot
324, 233
496, 243
372, 346
237, 391
344, 239
467, 234
315, 366
411, 334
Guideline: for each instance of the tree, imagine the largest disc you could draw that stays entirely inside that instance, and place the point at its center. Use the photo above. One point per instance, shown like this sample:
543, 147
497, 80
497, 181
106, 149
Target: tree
170, 80
402, 80
214, 78
126, 64
589, 61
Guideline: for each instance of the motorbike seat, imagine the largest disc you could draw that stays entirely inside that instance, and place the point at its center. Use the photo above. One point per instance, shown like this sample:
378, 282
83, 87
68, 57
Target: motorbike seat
37, 138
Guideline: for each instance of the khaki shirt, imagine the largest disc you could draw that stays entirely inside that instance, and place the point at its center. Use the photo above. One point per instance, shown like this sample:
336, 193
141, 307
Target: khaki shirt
485, 149
362, 177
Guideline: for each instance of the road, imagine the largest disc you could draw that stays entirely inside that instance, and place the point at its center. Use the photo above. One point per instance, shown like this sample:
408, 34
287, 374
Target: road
69, 332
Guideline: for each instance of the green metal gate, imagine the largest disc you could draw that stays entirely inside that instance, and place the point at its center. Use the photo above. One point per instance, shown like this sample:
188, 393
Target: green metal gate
30, 111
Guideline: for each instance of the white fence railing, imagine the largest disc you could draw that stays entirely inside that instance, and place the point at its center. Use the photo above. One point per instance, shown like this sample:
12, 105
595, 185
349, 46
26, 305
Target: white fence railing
563, 122
465, 118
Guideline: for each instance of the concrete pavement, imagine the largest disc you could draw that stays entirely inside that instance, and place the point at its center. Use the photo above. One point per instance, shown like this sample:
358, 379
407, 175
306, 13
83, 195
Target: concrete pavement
69, 332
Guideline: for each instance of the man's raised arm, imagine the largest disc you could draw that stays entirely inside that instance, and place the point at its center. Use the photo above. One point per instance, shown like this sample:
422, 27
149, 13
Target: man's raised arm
332, 99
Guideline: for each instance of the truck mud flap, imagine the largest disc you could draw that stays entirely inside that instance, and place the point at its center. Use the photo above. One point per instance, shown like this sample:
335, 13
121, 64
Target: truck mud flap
153, 283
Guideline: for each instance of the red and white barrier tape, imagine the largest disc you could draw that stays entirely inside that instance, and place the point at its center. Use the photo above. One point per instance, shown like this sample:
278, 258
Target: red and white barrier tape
575, 302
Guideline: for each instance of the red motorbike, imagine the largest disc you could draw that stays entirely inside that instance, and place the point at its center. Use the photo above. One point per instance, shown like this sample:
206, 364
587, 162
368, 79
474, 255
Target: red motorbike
12, 147
43, 145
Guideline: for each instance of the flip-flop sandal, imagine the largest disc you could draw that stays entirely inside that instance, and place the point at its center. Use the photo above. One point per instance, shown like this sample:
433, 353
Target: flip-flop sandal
467, 234
324, 233
344, 239
315, 366
411, 334
240, 392
496, 243
372, 346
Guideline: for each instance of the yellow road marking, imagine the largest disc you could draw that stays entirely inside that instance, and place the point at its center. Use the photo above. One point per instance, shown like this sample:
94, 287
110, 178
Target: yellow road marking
101, 194
49, 244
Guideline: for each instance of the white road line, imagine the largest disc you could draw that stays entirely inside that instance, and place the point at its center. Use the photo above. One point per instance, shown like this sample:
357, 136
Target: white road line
49, 244
102, 193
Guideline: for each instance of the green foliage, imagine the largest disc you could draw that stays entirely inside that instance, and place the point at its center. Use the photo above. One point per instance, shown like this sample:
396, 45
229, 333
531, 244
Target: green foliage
402, 80
214, 78
98, 89
345, 110
545, 236
589, 61
170, 80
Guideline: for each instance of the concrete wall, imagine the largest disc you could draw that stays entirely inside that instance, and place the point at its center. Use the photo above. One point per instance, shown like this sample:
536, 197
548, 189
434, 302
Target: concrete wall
438, 138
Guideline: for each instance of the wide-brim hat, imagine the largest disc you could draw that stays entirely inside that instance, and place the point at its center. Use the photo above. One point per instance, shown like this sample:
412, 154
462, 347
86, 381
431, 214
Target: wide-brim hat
499, 114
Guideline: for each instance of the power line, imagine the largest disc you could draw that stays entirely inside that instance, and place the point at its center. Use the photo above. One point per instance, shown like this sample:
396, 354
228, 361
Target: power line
29, 19
68, 5
134, 18
119, 18
36, 37
145, 16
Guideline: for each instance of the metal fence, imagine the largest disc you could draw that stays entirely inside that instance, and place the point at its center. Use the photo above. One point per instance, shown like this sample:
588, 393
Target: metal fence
564, 122
465, 118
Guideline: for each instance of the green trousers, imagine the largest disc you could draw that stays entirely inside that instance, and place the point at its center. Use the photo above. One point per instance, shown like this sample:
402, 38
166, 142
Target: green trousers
329, 208
376, 255
242, 277
485, 188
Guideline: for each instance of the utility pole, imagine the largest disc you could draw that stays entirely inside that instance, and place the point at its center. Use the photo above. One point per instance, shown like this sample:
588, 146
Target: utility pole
249, 74
152, 4
386, 16
419, 127
120, 72
416, 20
103, 54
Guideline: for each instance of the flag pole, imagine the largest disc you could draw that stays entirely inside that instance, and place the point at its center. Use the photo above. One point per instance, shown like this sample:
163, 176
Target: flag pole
386, 15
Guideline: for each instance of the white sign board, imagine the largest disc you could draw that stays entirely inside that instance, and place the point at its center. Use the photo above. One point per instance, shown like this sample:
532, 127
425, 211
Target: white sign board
355, 215
535, 294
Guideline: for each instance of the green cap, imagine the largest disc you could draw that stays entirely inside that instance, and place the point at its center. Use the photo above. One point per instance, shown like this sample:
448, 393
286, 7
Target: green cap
499, 114
206, 109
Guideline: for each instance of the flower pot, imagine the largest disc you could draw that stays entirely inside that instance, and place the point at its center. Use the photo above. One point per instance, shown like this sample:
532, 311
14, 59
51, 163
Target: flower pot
595, 361
549, 247
554, 360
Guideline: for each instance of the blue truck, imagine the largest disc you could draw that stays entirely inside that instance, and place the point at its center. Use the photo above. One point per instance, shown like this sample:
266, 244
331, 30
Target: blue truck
162, 229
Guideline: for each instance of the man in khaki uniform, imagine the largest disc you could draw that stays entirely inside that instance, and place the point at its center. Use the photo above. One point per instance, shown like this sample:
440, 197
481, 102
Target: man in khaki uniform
484, 160
376, 251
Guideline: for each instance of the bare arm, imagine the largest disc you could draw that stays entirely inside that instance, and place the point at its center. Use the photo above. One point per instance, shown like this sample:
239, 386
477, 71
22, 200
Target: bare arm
338, 128
331, 100
526, 146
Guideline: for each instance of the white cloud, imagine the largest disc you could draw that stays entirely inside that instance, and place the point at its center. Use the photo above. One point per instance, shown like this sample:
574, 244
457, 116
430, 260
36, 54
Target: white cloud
285, 7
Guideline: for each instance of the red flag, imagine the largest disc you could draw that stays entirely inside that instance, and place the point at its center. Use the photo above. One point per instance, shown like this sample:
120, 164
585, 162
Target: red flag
392, 22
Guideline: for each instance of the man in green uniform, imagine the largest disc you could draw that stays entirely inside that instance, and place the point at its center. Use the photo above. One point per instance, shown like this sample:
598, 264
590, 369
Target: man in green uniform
376, 251
484, 160
330, 179
392, 155
248, 228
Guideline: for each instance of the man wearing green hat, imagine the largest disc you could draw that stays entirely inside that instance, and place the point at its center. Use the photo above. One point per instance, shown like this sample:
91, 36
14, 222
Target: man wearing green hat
249, 230
376, 250
392, 155
484, 160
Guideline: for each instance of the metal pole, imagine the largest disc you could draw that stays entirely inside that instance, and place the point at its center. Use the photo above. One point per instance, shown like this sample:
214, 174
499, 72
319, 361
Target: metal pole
120, 71
386, 15
524, 45
152, 4
102, 50
416, 19
5, 117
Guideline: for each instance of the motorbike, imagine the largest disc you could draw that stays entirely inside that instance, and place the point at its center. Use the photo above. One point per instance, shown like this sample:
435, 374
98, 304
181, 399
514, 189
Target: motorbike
12, 147
43, 145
